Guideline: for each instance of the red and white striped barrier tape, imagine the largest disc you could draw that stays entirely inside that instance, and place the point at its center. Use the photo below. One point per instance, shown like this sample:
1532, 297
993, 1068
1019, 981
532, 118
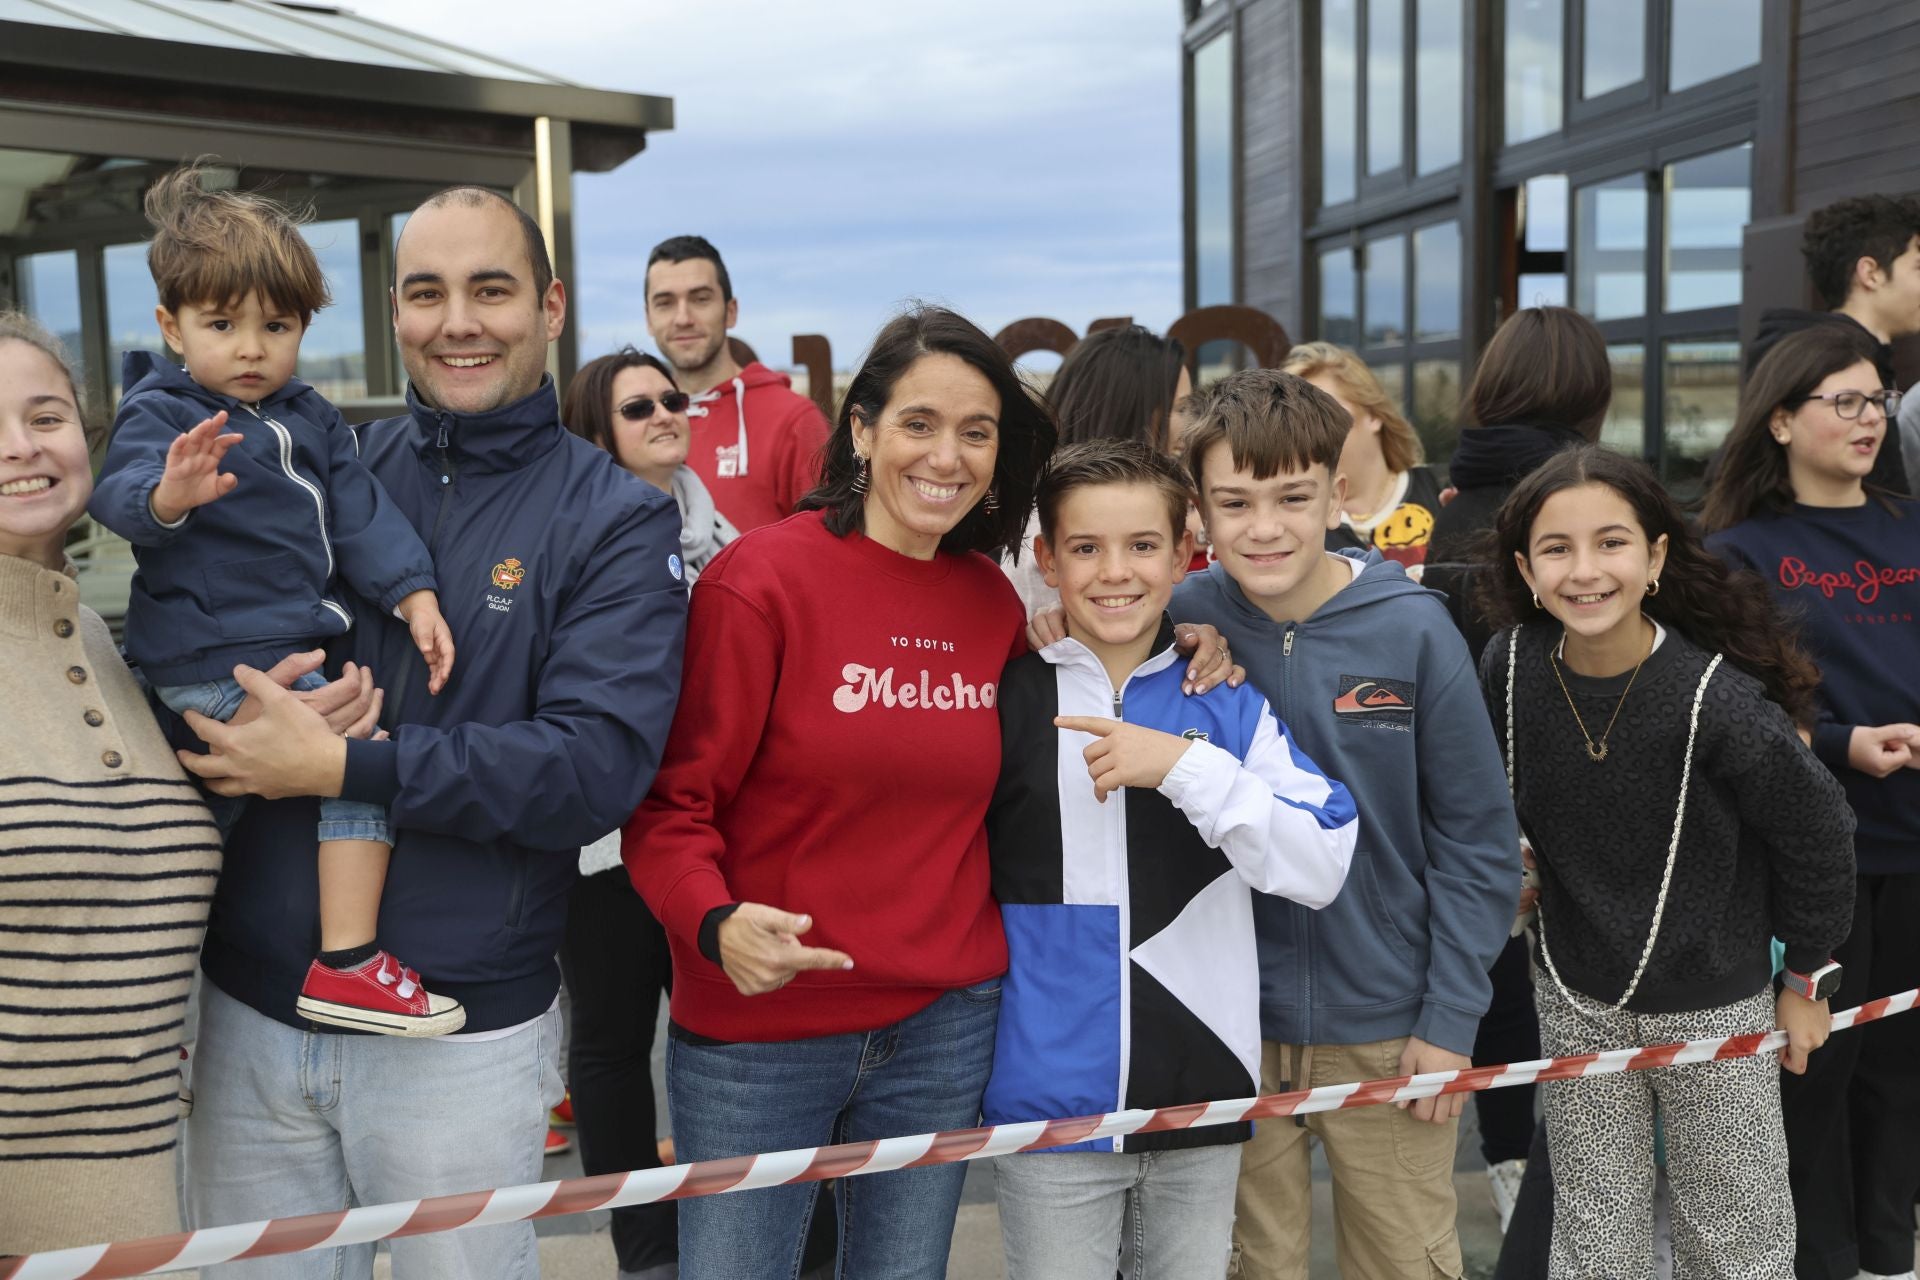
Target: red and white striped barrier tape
212, 1245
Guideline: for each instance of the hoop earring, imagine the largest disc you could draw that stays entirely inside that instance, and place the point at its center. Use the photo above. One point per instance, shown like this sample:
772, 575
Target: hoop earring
860, 478
1536, 600
1653, 587
992, 503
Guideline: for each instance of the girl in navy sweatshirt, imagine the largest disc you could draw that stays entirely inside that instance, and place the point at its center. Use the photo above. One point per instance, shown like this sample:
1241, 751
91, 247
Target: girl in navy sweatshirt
1795, 502
1678, 823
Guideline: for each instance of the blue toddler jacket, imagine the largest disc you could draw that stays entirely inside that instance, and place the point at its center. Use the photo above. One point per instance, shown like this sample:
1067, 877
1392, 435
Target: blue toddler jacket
560, 578
253, 575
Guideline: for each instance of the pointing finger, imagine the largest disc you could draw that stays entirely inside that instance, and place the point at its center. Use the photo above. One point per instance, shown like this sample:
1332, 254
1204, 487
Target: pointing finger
817, 958
1098, 726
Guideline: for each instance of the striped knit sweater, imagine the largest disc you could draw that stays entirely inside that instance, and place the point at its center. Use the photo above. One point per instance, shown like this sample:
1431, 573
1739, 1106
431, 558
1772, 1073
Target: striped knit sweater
107, 865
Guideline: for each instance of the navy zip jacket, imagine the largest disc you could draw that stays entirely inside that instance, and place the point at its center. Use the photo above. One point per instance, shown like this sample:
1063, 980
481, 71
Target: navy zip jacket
1377, 688
561, 581
250, 577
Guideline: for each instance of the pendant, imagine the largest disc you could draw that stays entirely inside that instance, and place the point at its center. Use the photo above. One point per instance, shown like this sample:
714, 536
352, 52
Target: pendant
1597, 754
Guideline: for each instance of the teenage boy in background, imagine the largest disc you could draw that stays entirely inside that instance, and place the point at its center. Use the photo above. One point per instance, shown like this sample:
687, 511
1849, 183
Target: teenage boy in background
1863, 254
756, 441
1375, 684
1130, 825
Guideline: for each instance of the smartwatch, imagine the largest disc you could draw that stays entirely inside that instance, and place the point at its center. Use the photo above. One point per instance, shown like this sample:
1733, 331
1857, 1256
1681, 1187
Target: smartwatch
1818, 985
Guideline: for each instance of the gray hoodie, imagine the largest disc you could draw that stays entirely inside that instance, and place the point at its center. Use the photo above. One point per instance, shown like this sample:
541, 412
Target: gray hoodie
1378, 689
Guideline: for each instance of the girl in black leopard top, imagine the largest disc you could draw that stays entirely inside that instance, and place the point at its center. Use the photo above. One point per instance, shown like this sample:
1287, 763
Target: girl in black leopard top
1679, 823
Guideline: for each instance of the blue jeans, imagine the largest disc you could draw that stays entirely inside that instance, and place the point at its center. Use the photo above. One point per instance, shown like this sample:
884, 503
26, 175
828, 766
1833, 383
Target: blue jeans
218, 700
287, 1121
924, 1073
1060, 1213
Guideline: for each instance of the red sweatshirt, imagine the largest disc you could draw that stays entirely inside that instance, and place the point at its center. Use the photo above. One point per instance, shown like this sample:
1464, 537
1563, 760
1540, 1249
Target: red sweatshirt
756, 445
833, 753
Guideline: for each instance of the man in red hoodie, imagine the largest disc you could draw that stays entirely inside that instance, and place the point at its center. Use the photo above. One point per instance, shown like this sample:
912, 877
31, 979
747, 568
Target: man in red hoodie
756, 443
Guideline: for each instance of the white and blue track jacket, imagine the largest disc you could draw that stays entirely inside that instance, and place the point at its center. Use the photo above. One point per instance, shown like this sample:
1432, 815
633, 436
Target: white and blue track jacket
1133, 979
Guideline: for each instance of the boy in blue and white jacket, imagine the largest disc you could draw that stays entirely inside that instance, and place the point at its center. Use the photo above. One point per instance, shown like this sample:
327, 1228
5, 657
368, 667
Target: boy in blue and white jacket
1129, 830
242, 492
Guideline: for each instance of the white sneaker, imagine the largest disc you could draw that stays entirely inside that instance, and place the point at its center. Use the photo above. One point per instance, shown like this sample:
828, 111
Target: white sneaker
1875, 1275
1504, 1181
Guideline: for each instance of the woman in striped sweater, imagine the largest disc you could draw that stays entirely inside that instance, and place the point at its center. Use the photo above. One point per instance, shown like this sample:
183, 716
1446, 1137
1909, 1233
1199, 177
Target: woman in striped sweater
107, 863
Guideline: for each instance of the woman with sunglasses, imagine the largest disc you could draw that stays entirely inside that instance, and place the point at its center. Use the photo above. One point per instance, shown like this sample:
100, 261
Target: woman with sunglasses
1793, 501
614, 953
629, 405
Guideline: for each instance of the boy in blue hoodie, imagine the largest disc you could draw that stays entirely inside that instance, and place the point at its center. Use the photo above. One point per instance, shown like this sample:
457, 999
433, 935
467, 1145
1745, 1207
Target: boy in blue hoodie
1129, 832
242, 493
1369, 673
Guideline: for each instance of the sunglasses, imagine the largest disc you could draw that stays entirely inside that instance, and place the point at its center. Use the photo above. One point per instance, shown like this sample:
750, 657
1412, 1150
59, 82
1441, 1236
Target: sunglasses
642, 409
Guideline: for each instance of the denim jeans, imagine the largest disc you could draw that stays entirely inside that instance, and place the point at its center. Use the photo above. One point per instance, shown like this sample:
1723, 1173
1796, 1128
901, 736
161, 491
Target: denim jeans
287, 1121
1060, 1213
218, 700
921, 1074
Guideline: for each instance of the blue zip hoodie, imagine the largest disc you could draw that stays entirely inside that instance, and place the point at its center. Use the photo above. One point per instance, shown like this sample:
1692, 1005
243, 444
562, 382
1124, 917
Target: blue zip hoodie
1378, 689
250, 577
561, 581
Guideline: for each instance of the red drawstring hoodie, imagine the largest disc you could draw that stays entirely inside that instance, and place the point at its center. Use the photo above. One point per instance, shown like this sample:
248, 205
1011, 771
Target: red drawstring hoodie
756, 445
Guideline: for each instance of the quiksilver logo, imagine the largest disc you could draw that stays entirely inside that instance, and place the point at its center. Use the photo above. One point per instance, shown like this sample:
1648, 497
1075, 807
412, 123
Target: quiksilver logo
865, 685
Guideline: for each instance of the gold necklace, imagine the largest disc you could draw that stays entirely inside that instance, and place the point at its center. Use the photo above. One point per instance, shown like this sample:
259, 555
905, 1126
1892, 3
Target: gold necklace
1596, 753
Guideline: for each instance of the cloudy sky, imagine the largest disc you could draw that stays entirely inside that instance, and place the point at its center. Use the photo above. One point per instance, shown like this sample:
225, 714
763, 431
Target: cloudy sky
1006, 157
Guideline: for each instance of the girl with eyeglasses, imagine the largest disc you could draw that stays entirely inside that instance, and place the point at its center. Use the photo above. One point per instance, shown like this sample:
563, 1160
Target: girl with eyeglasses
629, 405
1646, 702
1795, 502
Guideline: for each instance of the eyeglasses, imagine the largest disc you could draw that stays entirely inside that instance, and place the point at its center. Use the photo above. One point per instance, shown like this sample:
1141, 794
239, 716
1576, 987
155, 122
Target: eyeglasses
1848, 404
642, 409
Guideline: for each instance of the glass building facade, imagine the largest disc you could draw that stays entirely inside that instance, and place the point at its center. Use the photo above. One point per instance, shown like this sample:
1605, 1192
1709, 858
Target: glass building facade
1629, 158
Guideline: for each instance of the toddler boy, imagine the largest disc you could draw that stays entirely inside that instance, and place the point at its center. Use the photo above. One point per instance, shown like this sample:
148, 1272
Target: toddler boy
242, 493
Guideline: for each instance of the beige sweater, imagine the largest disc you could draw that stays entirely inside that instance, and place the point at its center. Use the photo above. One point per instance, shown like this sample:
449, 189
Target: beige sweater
107, 867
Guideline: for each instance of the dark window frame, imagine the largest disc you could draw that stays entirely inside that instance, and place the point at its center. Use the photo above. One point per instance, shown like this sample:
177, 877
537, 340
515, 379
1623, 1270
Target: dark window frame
1403, 179
1216, 18
1402, 356
1638, 127
1411, 89
1622, 116
1580, 109
1656, 327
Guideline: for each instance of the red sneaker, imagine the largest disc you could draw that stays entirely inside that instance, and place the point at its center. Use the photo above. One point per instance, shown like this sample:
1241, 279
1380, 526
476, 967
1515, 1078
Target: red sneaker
562, 1117
558, 1143
382, 995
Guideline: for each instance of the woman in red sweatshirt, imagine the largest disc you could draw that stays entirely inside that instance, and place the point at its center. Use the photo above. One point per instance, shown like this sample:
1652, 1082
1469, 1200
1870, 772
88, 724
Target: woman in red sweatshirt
814, 841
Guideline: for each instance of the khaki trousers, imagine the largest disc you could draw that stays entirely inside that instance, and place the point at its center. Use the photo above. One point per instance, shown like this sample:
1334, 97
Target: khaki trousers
1393, 1198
